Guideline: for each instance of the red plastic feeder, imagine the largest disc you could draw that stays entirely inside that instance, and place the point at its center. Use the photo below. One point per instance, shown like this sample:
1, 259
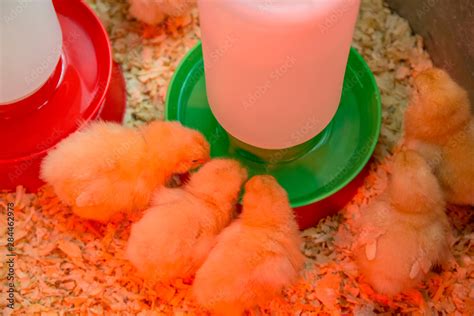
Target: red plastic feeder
85, 86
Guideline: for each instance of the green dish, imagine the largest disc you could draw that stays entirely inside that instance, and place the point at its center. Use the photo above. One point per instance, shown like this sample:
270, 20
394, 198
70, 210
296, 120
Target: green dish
309, 172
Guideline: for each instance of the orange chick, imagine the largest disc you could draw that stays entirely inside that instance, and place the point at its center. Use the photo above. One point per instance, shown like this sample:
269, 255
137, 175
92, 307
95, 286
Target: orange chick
153, 12
440, 126
405, 231
107, 168
176, 234
256, 256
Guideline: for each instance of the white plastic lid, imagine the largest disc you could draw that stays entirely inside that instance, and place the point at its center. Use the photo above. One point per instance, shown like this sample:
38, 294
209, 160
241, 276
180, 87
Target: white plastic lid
30, 47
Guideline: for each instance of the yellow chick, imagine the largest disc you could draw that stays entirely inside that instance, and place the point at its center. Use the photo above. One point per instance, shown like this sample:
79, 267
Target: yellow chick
404, 232
153, 12
440, 126
107, 168
256, 256
176, 234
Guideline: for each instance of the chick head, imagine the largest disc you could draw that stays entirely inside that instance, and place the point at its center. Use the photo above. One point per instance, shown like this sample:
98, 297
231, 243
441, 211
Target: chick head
265, 202
438, 106
182, 148
266, 187
413, 188
219, 181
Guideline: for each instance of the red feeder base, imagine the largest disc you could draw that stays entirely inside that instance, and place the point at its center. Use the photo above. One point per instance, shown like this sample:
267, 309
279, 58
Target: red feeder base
309, 215
85, 86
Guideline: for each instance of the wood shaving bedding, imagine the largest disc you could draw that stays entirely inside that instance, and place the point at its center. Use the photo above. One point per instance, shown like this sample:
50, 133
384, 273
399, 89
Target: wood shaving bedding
69, 266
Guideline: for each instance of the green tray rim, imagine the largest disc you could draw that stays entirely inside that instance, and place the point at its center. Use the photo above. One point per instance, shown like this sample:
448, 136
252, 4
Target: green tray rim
356, 171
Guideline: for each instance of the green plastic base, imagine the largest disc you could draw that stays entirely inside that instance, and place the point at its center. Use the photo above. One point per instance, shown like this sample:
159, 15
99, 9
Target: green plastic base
309, 172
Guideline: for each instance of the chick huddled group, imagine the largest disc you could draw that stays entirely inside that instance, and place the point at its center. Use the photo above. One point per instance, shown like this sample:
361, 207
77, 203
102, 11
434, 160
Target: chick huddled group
176, 233
241, 261
107, 169
404, 232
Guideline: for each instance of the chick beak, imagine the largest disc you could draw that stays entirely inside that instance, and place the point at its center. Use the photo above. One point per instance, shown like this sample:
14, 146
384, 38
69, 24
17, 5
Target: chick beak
196, 164
200, 161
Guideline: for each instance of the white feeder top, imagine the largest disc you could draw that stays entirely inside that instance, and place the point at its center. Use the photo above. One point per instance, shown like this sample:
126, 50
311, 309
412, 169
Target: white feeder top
275, 68
30, 47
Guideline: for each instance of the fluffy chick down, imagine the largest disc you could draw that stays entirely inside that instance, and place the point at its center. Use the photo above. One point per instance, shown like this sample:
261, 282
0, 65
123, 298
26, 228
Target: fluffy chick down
106, 168
440, 126
405, 231
256, 256
176, 234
